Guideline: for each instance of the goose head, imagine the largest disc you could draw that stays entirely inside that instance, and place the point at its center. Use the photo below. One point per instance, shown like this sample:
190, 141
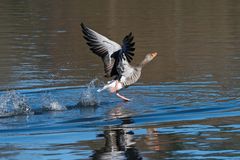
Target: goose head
149, 57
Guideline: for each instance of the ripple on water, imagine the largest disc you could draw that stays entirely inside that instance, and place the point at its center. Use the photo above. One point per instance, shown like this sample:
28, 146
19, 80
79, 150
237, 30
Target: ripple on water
80, 117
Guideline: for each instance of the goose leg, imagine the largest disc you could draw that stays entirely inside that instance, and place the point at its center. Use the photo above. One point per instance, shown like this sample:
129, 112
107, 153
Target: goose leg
115, 89
122, 97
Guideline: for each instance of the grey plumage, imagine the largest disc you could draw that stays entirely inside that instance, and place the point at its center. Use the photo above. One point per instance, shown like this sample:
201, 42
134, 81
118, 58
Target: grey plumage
116, 58
110, 51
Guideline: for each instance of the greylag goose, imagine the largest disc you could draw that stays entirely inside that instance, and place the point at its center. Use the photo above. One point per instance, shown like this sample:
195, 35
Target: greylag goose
116, 60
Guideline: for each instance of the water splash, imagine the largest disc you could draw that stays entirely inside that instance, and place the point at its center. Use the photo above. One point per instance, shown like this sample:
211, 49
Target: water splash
51, 104
13, 103
89, 96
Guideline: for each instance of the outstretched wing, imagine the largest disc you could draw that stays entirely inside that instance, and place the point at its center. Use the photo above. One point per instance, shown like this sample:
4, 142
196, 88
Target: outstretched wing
124, 56
127, 48
111, 52
103, 47
127, 73
99, 44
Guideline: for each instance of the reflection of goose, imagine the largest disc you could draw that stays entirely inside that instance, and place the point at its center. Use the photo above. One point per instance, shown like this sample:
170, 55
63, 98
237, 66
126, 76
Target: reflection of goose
116, 59
119, 141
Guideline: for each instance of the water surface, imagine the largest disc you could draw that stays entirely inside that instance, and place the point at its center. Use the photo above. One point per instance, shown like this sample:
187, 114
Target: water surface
185, 106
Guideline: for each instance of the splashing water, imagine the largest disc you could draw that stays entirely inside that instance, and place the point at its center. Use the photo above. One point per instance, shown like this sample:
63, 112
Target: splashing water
89, 96
51, 104
13, 103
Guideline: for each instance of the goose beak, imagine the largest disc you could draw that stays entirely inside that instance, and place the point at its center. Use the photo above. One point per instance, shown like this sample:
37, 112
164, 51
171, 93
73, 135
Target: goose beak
154, 54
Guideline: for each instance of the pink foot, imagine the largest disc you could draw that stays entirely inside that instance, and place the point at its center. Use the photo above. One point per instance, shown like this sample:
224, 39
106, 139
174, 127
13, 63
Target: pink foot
122, 97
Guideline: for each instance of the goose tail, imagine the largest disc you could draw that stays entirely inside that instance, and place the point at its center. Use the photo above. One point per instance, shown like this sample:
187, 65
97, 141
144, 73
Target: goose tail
110, 85
102, 89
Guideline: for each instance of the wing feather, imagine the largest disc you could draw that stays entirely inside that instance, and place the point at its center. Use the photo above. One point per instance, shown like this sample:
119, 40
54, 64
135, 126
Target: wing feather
128, 48
112, 54
99, 44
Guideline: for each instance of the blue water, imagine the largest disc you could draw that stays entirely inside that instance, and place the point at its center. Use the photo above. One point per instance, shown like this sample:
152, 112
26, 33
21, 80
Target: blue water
184, 106
170, 120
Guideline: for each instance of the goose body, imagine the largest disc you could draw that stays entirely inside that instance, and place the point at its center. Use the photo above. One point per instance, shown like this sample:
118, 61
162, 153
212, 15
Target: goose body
116, 59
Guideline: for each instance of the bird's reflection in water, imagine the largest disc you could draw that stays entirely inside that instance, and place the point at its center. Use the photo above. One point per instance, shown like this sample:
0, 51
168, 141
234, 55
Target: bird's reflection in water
152, 139
119, 142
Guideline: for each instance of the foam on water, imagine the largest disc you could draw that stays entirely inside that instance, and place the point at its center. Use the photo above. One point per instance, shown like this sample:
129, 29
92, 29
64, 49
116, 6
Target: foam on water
13, 103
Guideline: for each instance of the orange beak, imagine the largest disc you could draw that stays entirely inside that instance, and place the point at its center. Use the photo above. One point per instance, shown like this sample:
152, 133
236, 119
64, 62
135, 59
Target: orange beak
154, 54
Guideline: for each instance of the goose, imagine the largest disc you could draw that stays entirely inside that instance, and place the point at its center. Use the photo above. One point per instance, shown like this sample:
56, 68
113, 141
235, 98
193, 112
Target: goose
116, 60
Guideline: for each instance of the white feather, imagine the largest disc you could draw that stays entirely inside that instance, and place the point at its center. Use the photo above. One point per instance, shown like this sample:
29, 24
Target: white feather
111, 84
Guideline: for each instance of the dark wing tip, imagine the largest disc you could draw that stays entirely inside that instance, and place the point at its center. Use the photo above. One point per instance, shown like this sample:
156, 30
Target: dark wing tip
128, 47
82, 25
84, 29
130, 34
